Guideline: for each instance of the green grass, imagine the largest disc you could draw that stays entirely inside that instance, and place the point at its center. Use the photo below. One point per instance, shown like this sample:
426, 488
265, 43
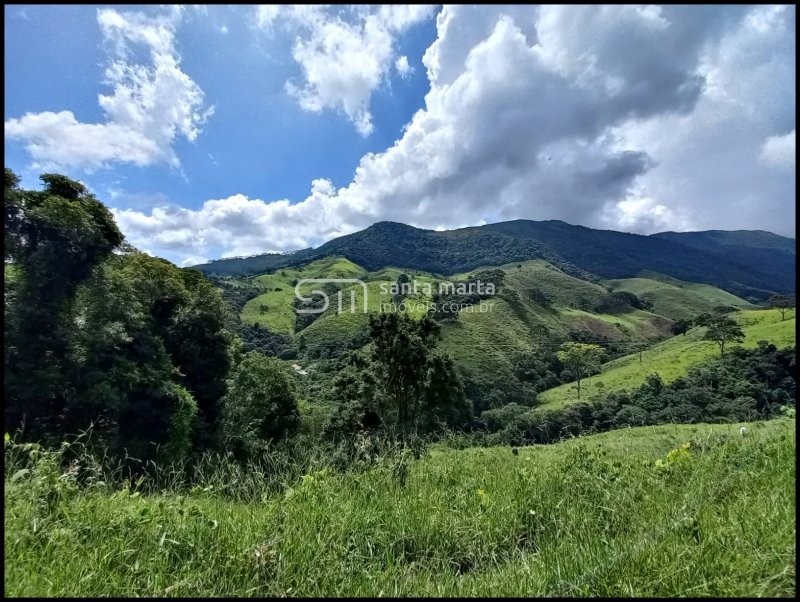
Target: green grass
635, 324
280, 315
563, 289
482, 340
592, 516
676, 299
673, 358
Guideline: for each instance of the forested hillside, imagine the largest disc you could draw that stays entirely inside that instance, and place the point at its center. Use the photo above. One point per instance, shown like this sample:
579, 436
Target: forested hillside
747, 264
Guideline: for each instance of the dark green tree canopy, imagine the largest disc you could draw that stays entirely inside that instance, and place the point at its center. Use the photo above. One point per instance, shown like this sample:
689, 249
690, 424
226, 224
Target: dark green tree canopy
260, 406
402, 383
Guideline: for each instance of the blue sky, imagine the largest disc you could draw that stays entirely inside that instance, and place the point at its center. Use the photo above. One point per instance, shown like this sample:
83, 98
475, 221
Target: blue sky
236, 130
259, 142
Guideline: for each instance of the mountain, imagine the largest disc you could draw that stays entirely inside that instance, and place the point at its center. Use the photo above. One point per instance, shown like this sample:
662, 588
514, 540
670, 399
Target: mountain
752, 264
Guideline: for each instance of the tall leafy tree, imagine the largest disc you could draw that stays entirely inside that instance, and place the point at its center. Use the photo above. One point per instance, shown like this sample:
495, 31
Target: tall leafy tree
148, 335
403, 383
580, 360
55, 237
723, 330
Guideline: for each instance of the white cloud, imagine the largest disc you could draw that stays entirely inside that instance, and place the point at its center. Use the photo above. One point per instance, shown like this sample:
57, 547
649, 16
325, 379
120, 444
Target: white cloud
343, 57
266, 14
622, 117
402, 66
779, 151
151, 105
716, 165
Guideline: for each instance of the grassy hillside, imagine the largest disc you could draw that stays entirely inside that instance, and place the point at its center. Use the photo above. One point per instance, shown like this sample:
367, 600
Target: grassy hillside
512, 322
745, 263
616, 514
279, 294
516, 321
672, 358
676, 299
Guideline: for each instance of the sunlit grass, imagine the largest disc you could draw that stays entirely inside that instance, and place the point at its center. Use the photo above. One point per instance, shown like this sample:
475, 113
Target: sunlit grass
673, 358
593, 516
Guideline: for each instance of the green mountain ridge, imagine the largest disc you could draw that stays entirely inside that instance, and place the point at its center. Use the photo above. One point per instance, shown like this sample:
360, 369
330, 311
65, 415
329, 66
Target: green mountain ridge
749, 264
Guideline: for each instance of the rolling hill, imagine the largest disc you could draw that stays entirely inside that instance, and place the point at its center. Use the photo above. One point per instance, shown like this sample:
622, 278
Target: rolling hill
673, 358
676, 299
538, 306
747, 264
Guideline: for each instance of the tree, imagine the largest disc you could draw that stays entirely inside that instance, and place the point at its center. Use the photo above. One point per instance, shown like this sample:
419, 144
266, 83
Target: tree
580, 360
403, 383
782, 303
199, 343
681, 326
723, 330
55, 237
400, 350
703, 319
149, 352
259, 407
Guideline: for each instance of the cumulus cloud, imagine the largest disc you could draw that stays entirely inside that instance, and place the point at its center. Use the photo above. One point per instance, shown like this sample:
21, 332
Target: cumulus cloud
729, 163
344, 56
152, 103
641, 119
779, 151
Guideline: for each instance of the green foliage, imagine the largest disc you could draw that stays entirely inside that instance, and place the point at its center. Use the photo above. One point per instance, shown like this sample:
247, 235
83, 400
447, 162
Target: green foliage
125, 342
260, 406
580, 360
179, 437
674, 357
619, 302
236, 292
403, 384
256, 337
198, 343
681, 326
745, 384
55, 237
723, 330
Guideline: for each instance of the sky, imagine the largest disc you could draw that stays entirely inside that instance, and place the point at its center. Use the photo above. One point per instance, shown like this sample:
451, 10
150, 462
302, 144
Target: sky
221, 131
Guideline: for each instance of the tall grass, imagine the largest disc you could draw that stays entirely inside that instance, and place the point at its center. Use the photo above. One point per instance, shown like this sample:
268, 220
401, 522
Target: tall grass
632, 512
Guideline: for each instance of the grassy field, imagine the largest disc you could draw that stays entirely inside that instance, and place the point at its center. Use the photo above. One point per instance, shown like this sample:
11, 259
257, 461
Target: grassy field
673, 358
563, 289
676, 299
279, 293
617, 514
